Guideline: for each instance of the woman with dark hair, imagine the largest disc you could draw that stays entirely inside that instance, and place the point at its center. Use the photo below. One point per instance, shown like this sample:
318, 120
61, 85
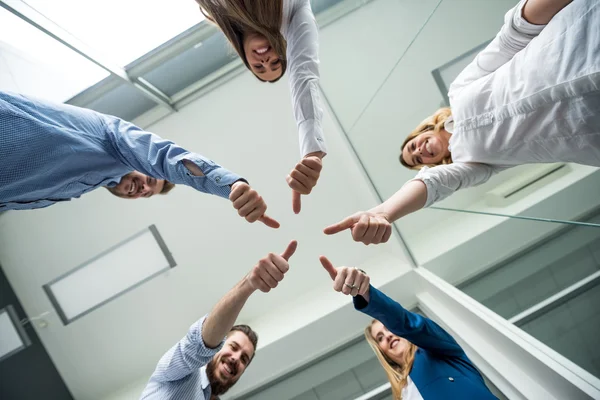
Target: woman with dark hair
422, 361
531, 96
271, 37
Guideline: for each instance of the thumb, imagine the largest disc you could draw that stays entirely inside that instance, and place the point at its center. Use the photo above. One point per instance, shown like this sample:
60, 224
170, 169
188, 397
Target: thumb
291, 249
296, 202
340, 226
328, 267
270, 222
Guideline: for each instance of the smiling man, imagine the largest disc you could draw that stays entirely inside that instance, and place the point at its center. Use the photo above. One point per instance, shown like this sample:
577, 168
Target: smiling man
55, 152
204, 365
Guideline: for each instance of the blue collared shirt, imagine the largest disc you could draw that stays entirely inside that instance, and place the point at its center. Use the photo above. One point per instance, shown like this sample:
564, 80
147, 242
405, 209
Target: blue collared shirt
55, 152
181, 372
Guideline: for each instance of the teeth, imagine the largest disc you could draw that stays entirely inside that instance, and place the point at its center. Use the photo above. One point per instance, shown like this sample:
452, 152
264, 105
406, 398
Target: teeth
262, 50
428, 148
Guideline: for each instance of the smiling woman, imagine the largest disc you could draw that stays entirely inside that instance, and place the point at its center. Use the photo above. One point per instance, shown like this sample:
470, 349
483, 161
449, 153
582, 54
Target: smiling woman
270, 36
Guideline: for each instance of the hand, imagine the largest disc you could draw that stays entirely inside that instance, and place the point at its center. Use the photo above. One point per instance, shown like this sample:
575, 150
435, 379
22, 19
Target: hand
347, 280
269, 271
366, 227
304, 176
250, 204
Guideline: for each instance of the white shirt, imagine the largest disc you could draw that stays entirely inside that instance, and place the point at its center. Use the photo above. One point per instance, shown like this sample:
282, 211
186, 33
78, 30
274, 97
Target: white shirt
531, 96
299, 28
410, 391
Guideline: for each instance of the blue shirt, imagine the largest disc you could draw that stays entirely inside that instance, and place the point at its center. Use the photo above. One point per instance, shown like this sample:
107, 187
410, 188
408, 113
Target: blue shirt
54, 152
181, 372
441, 369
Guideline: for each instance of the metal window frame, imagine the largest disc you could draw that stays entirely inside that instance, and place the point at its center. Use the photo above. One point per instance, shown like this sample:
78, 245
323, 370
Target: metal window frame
161, 243
12, 315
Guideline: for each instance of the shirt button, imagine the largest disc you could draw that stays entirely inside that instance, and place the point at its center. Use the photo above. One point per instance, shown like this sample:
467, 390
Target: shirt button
218, 179
451, 379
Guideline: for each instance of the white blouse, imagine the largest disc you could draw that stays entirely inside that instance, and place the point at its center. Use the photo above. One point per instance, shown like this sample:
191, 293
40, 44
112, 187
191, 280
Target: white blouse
531, 96
299, 28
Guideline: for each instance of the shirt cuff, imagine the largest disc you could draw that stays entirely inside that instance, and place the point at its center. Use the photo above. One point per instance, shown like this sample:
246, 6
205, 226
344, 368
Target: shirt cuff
521, 25
216, 180
424, 177
311, 137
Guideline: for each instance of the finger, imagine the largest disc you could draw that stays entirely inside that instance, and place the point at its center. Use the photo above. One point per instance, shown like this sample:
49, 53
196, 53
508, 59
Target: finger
313, 163
328, 267
309, 172
341, 226
247, 208
258, 212
349, 282
268, 221
302, 178
237, 191
359, 230
265, 275
370, 233
387, 234
338, 284
279, 267
297, 185
364, 286
291, 249
296, 202
263, 287
243, 199
381, 228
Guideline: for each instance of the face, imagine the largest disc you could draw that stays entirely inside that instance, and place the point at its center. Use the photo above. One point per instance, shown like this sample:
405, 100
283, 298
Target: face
263, 60
135, 185
427, 148
394, 347
228, 365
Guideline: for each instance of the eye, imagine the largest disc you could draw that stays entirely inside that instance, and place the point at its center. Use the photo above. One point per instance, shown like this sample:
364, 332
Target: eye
275, 63
419, 160
413, 146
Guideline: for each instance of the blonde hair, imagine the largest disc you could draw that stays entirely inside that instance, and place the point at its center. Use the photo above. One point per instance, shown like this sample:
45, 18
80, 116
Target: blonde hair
433, 123
237, 18
397, 373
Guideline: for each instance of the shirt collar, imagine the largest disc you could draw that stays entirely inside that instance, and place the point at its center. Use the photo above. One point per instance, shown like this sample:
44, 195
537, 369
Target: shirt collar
449, 124
204, 378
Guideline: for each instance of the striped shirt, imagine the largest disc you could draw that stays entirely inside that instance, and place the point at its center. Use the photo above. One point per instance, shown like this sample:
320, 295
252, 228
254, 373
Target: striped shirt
181, 372
55, 152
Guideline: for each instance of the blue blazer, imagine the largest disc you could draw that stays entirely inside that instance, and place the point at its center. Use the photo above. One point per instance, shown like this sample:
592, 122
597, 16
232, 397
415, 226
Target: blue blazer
441, 369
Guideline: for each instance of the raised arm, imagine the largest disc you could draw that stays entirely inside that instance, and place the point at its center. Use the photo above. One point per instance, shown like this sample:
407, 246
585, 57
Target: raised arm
515, 34
206, 337
429, 186
417, 329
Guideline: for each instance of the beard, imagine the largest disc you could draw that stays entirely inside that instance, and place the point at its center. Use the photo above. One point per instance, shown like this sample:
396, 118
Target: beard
217, 385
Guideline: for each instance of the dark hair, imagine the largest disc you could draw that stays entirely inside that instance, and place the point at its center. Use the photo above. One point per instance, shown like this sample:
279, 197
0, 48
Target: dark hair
237, 18
252, 336
167, 187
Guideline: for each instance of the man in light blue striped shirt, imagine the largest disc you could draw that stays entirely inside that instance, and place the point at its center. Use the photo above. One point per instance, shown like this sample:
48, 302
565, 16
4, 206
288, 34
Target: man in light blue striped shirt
205, 364
51, 153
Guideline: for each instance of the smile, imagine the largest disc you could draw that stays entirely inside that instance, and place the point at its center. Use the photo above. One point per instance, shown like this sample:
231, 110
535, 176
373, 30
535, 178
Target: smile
428, 148
262, 50
394, 343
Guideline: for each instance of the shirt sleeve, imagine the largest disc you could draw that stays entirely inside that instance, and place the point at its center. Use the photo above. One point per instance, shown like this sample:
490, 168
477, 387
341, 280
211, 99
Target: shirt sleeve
514, 36
303, 67
419, 330
162, 159
443, 180
186, 357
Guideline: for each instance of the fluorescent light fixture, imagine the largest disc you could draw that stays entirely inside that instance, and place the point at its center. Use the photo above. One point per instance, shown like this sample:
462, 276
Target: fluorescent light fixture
109, 275
12, 335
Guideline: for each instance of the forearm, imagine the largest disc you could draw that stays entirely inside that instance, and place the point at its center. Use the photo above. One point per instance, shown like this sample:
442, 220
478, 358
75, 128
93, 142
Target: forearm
410, 198
225, 312
540, 12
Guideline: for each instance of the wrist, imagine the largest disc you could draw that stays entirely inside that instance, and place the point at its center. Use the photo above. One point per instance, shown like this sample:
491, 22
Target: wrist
245, 287
319, 154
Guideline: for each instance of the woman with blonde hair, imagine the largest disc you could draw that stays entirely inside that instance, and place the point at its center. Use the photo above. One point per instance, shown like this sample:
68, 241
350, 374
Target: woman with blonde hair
531, 96
271, 37
422, 361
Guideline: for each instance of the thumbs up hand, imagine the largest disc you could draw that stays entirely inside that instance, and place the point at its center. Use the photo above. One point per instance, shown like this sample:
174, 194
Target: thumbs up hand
350, 281
269, 270
366, 227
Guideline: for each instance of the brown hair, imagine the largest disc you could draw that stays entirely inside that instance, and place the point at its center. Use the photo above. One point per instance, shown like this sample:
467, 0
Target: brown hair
237, 18
397, 373
253, 336
433, 123
167, 187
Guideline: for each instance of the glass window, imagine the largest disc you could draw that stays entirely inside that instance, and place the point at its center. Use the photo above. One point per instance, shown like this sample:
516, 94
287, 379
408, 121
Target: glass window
32, 63
121, 30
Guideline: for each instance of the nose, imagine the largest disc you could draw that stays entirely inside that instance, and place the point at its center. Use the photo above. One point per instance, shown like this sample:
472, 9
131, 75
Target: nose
389, 337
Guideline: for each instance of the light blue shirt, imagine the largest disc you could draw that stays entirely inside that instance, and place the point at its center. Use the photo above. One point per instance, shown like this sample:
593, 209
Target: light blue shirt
181, 372
54, 152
